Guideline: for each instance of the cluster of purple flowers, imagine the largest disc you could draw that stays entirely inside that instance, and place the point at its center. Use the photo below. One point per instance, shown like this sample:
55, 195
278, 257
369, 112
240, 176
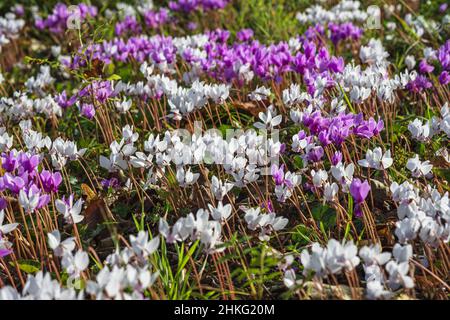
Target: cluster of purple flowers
155, 19
337, 129
22, 173
228, 62
56, 22
128, 25
159, 48
345, 31
101, 90
444, 59
422, 81
192, 5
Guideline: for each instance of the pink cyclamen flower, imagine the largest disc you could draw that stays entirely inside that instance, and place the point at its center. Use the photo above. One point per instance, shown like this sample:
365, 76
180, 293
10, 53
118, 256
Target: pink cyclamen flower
359, 190
50, 181
425, 67
88, 111
278, 174
444, 78
5, 252
337, 157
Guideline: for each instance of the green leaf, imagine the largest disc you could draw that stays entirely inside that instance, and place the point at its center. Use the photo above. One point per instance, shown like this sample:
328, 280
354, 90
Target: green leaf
114, 77
28, 266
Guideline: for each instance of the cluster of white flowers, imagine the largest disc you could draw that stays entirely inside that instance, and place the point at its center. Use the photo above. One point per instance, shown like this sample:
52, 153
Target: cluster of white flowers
10, 26
60, 150
264, 222
426, 216
259, 94
20, 106
337, 257
397, 269
419, 24
346, 10
126, 274
419, 168
243, 155
293, 95
425, 131
36, 84
181, 100
71, 211
322, 261
343, 174
375, 78
376, 159
198, 227
120, 151
333, 259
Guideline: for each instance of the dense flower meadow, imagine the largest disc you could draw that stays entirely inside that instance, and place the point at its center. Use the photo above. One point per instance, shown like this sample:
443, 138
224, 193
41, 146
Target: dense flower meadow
225, 149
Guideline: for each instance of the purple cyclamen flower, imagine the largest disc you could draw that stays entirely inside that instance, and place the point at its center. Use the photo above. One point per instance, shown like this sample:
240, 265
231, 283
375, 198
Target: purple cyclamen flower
278, 174
88, 111
267, 205
29, 164
245, 35
192, 25
444, 78
3, 203
50, 181
65, 102
369, 128
14, 184
5, 252
110, 183
359, 190
9, 161
425, 67
443, 7
19, 10
336, 158
420, 83
316, 154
